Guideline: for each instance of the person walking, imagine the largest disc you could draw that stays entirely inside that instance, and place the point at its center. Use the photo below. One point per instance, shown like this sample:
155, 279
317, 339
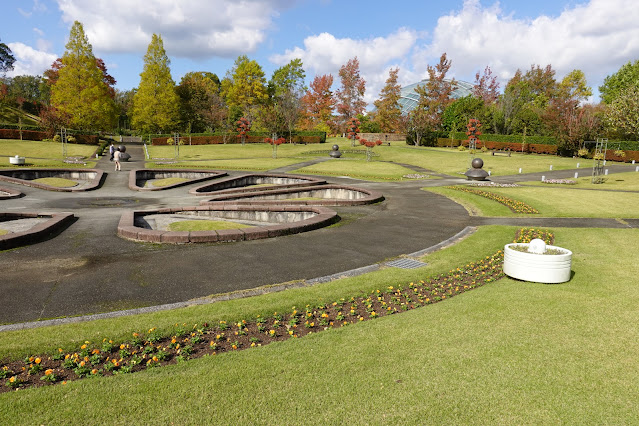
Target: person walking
116, 158
111, 151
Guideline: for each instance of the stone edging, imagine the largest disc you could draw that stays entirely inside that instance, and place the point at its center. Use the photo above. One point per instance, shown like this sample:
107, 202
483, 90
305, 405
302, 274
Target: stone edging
37, 233
127, 229
7, 193
133, 177
207, 190
92, 182
253, 198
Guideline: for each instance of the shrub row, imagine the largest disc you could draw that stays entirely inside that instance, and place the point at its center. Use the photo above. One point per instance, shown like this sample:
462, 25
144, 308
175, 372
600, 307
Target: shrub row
515, 139
35, 135
232, 138
489, 144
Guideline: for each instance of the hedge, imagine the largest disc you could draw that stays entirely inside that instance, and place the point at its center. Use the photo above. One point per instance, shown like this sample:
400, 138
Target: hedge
545, 140
34, 135
232, 138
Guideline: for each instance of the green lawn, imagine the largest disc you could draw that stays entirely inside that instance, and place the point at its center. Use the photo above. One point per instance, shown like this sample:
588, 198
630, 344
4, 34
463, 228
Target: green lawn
614, 182
45, 154
553, 201
441, 160
507, 353
373, 170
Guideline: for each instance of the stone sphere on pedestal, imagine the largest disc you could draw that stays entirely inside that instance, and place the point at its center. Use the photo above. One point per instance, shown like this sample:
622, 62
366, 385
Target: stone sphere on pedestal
477, 173
335, 153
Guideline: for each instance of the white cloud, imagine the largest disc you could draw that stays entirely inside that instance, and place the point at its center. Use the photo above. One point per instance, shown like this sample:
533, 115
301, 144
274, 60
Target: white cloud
189, 28
325, 54
29, 61
596, 37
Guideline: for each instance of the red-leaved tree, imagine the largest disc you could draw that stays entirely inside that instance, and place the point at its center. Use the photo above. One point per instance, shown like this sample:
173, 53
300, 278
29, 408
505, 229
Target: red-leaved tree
350, 98
318, 105
243, 127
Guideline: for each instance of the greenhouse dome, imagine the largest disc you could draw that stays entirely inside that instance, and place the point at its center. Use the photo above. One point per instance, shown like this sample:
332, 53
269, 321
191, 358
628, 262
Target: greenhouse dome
409, 98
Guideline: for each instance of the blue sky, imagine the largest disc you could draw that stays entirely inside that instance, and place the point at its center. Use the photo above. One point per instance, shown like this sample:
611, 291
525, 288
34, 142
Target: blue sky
596, 36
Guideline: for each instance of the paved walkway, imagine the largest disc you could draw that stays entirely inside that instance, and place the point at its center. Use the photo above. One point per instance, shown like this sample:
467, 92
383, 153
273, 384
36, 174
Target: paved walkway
88, 269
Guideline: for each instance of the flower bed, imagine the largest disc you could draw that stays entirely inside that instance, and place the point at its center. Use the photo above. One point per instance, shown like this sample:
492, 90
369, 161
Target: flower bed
513, 205
559, 181
154, 348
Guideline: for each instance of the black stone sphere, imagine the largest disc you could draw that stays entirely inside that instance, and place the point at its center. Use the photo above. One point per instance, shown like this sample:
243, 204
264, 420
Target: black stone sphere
335, 153
122, 148
477, 163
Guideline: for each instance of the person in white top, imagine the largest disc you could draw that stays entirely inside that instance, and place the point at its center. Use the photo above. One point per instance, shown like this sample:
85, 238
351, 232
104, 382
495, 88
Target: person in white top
116, 159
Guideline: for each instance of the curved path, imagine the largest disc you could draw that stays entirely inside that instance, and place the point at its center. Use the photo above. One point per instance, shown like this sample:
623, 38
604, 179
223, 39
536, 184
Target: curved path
87, 269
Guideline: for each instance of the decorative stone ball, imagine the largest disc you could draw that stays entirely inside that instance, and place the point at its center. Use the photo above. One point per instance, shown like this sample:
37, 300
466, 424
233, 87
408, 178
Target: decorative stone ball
477, 163
335, 147
537, 246
122, 148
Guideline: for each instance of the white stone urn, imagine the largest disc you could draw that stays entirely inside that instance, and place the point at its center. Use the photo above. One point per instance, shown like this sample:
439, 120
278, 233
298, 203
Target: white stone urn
16, 160
539, 262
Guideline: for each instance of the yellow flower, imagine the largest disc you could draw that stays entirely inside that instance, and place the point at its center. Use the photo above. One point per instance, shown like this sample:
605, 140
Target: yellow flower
38, 360
12, 379
94, 371
48, 372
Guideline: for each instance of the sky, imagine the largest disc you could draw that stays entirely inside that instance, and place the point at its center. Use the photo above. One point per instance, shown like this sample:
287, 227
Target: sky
596, 36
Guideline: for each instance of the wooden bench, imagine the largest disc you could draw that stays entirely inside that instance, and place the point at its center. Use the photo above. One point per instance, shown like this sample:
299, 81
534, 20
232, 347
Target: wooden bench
502, 152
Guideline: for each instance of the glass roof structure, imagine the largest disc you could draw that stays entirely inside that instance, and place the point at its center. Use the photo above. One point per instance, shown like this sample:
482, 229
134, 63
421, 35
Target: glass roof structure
409, 98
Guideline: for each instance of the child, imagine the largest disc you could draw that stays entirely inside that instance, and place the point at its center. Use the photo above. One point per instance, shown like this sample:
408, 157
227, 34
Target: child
116, 158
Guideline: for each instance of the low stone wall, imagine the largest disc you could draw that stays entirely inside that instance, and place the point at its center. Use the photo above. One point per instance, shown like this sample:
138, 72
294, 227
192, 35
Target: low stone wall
93, 178
246, 184
56, 223
333, 195
137, 178
7, 193
311, 218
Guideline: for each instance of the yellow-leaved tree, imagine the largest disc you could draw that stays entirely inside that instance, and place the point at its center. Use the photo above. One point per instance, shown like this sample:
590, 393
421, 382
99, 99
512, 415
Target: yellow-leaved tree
156, 103
80, 92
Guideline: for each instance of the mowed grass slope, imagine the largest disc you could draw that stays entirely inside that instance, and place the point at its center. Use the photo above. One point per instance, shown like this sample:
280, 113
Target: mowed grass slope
507, 353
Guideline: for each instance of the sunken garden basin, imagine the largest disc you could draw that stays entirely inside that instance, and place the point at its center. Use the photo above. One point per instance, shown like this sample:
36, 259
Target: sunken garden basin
255, 182
320, 195
159, 179
25, 228
257, 222
537, 262
85, 179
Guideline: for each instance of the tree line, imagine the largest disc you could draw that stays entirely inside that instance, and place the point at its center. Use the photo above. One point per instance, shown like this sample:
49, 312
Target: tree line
78, 92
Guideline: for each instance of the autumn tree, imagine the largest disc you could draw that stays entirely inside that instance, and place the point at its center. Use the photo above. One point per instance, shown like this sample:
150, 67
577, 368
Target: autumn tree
80, 92
434, 98
350, 98
244, 88
201, 106
155, 104
614, 85
318, 105
486, 87
388, 114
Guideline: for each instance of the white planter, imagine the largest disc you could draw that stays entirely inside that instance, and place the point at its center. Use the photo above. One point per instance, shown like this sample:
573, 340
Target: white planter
539, 268
16, 160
